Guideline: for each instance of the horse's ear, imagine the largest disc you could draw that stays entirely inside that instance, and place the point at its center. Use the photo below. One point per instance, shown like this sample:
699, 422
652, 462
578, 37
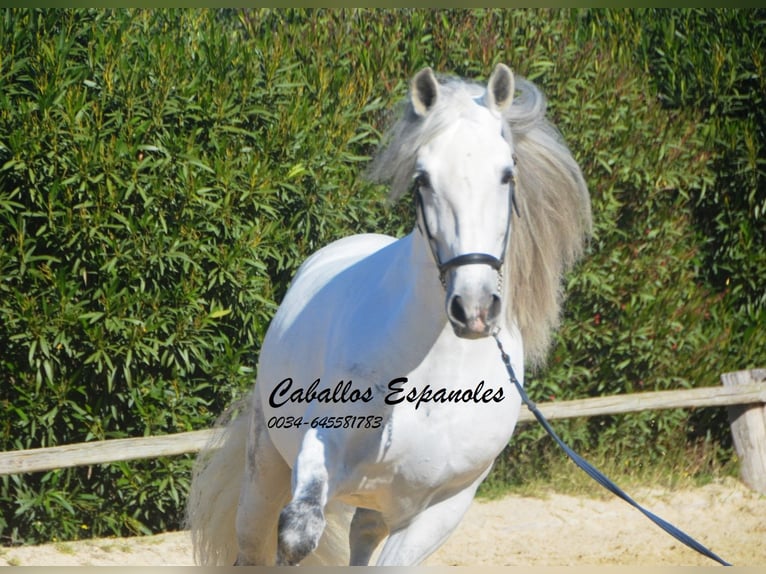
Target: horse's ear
424, 90
500, 88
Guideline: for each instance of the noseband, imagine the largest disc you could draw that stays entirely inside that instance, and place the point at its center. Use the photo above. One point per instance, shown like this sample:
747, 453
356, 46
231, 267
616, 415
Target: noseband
466, 258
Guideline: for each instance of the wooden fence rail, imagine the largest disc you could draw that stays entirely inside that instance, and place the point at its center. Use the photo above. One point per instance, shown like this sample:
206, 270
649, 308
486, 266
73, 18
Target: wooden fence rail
743, 392
751, 393
101, 452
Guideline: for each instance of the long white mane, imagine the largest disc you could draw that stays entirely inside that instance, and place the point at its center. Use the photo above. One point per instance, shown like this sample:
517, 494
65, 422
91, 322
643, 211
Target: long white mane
551, 193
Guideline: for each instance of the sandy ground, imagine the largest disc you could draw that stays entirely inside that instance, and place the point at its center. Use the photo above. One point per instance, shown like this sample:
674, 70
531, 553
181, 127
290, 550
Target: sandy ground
556, 530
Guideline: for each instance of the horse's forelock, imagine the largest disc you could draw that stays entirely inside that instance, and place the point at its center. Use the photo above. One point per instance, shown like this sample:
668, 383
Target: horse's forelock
394, 163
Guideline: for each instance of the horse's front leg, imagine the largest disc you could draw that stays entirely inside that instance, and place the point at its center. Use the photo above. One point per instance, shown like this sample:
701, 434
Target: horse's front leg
302, 521
419, 537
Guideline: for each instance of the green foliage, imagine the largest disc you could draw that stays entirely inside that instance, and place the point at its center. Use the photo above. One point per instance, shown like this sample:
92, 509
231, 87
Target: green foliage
721, 55
711, 62
164, 173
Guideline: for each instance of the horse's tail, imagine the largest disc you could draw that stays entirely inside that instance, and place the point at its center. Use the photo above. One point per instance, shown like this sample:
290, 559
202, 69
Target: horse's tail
211, 510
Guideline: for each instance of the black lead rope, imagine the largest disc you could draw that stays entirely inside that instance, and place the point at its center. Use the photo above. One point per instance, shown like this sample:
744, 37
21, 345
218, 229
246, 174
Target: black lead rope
596, 474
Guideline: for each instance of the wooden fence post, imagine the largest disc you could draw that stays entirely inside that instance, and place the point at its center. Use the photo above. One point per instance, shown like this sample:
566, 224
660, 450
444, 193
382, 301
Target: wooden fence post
748, 429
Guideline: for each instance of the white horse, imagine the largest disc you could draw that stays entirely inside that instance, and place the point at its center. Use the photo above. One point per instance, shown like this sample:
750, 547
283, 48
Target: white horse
381, 402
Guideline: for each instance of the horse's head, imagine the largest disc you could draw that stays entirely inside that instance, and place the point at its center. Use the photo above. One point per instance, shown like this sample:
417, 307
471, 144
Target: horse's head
459, 141
464, 178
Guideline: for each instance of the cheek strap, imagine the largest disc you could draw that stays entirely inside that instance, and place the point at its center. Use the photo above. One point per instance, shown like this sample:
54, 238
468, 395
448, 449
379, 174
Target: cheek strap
466, 258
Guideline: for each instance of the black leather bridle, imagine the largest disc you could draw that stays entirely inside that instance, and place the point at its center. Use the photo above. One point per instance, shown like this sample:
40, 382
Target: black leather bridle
477, 258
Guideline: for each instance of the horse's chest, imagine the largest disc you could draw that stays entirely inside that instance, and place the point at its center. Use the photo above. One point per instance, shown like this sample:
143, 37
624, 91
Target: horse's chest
444, 442
434, 450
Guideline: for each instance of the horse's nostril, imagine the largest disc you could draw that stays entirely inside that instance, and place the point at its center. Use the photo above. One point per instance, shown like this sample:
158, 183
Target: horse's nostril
494, 308
457, 312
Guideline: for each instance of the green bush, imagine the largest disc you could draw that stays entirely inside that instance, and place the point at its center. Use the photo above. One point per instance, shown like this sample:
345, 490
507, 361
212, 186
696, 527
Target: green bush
163, 174
713, 61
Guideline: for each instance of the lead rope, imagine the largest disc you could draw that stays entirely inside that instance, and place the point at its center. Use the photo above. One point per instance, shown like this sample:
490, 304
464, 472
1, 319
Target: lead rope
596, 474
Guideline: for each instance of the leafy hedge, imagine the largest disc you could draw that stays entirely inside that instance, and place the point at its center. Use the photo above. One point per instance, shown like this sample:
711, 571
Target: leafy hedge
163, 174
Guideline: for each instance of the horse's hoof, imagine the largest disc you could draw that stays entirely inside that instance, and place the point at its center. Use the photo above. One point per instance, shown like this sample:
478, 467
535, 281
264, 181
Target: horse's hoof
300, 527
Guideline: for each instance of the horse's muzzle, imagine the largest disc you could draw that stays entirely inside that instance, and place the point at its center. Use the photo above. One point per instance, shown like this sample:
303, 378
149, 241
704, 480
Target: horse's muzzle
473, 318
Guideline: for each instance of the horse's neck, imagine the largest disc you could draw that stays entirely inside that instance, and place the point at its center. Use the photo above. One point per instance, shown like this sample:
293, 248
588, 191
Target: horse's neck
414, 309
426, 291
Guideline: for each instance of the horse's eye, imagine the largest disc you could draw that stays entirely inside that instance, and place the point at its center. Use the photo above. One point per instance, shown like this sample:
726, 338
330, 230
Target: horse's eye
508, 177
422, 181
